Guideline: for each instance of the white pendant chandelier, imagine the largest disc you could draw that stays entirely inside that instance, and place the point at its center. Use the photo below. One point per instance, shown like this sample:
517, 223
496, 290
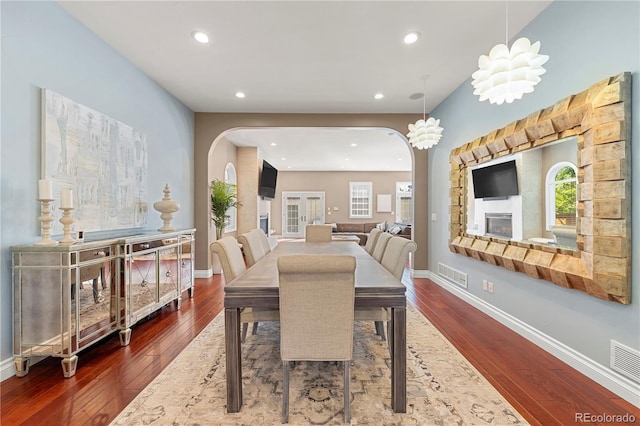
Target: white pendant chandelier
505, 75
425, 133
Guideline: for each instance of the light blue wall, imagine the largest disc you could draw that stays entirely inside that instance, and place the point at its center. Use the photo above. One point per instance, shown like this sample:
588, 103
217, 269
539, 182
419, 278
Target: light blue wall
586, 42
44, 47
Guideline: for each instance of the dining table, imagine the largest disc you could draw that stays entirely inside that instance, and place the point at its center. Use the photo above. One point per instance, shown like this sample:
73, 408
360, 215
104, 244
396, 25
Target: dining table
257, 287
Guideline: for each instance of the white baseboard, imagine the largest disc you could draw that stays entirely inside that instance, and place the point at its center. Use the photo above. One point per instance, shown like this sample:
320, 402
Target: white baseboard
621, 386
7, 369
420, 273
199, 273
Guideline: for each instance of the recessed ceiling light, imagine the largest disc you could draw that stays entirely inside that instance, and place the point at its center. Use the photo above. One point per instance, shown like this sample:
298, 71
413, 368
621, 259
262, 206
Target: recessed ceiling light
378, 96
283, 158
346, 159
273, 144
201, 37
411, 37
240, 95
354, 144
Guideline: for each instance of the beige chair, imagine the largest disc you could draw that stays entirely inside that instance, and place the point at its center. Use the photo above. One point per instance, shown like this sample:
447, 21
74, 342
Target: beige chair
381, 245
264, 241
396, 255
372, 239
317, 295
318, 233
394, 259
233, 265
252, 246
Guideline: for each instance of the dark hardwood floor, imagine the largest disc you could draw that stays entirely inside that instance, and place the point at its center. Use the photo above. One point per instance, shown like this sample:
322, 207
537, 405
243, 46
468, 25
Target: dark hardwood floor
543, 389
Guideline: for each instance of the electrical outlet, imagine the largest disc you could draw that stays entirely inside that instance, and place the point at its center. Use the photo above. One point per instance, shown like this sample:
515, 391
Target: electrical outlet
484, 285
490, 287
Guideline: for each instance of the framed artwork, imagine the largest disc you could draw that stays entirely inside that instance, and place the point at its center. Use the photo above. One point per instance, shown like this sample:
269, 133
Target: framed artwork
102, 160
384, 203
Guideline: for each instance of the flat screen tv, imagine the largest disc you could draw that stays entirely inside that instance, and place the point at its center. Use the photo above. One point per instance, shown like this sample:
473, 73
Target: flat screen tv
268, 178
496, 181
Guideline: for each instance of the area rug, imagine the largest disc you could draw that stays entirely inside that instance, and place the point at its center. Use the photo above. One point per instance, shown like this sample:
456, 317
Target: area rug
442, 387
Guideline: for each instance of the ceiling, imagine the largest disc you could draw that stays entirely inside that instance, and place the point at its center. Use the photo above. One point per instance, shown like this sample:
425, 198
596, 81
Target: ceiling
309, 57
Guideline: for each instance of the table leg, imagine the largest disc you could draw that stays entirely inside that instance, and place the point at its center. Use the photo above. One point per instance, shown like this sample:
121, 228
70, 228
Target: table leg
398, 340
234, 365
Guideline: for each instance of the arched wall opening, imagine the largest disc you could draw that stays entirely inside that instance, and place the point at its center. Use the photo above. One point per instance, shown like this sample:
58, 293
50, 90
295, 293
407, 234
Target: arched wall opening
211, 128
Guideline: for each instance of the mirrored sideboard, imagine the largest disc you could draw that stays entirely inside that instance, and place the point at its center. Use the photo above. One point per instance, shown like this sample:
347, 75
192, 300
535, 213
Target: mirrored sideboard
66, 298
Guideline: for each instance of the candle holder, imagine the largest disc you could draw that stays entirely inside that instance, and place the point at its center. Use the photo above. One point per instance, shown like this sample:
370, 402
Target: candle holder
66, 222
45, 223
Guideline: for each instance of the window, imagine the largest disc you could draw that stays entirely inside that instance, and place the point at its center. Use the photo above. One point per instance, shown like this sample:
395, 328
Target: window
561, 200
404, 192
360, 200
230, 224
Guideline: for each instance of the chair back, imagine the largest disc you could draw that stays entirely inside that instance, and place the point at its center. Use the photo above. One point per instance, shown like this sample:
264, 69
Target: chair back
381, 245
318, 233
264, 241
317, 295
372, 239
396, 254
252, 246
230, 256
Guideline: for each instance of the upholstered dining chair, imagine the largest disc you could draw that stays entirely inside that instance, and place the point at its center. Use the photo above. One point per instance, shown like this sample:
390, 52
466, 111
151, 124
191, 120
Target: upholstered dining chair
381, 245
233, 265
264, 241
372, 239
252, 247
394, 260
318, 233
316, 315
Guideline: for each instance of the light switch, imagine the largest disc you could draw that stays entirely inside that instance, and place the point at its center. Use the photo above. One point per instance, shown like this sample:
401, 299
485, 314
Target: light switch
434, 217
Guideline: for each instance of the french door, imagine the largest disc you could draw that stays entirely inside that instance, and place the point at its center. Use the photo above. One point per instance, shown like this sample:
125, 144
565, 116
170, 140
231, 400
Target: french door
300, 209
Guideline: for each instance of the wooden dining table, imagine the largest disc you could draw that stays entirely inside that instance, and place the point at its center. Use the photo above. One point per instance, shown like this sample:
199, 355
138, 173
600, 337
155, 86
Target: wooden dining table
258, 287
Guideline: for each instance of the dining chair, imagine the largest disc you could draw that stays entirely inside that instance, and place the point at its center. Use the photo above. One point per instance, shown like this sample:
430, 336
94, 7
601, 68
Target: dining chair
264, 241
317, 295
251, 246
232, 263
372, 239
318, 233
381, 245
394, 260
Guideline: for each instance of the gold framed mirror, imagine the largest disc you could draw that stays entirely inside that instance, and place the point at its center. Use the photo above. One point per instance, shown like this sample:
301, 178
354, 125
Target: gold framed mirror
600, 120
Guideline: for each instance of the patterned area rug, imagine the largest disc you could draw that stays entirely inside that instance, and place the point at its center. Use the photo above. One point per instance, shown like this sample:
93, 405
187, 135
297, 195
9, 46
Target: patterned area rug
442, 387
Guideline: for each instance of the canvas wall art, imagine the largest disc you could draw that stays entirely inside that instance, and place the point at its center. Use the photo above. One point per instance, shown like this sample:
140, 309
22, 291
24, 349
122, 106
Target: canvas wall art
102, 160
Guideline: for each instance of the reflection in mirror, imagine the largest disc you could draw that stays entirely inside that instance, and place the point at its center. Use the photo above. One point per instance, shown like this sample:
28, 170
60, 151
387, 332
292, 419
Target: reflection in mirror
537, 236
543, 207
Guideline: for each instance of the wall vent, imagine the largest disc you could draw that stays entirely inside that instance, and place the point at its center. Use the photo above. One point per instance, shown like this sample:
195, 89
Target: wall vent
625, 360
454, 275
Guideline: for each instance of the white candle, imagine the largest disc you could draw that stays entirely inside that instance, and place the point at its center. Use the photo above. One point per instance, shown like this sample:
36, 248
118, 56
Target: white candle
66, 199
45, 189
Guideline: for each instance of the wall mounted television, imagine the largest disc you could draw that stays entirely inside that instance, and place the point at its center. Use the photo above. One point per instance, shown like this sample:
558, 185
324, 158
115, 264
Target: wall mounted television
268, 178
496, 181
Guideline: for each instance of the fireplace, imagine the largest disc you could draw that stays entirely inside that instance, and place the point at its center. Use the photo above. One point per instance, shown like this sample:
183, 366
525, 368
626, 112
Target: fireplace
264, 223
498, 225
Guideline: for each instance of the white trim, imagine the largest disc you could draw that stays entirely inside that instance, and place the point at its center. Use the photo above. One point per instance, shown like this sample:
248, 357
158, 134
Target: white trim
202, 273
618, 384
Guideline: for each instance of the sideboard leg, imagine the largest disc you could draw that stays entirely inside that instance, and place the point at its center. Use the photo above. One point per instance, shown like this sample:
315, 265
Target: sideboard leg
22, 364
125, 337
69, 366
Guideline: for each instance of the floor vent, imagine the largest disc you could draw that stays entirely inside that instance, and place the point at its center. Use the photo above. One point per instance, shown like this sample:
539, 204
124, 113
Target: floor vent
625, 360
454, 275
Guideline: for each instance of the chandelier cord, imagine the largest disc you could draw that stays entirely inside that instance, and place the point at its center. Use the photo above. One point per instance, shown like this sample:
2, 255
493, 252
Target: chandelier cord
424, 98
506, 18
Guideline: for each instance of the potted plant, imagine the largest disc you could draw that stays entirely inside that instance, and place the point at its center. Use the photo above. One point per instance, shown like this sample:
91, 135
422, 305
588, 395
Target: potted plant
223, 197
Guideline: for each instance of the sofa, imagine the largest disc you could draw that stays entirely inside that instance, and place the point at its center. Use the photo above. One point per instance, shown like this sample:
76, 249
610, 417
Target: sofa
361, 230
